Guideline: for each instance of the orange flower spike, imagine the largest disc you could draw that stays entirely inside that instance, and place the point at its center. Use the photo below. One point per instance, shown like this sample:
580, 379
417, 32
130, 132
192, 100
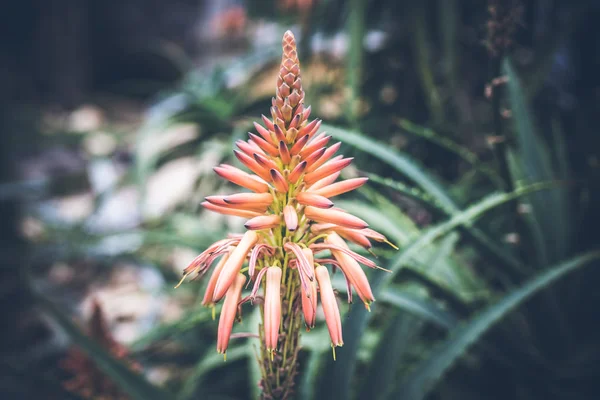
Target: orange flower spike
293, 176
272, 315
330, 307
228, 312
234, 264
354, 273
335, 216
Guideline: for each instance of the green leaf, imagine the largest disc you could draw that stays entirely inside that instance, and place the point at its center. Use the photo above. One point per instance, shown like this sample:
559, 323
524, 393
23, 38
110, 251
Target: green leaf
466, 218
423, 379
133, 384
395, 341
412, 192
399, 161
421, 308
358, 318
448, 144
354, 70
414, 171
424, 59
208, 363
191, 320
336, 379
409, 302
532, 162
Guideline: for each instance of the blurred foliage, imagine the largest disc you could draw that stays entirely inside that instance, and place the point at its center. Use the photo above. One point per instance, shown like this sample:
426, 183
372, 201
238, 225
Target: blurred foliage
484, 171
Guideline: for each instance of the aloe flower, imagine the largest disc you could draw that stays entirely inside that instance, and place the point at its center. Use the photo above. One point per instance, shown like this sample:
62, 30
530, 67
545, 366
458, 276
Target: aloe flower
291, 222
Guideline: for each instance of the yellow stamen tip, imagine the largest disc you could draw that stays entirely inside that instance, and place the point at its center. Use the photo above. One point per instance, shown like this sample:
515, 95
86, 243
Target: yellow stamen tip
214, 312
392, 245
181, 281
333, 350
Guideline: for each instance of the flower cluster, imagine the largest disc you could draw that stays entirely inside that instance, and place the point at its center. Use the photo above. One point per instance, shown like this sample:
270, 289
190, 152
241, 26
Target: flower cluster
291, 222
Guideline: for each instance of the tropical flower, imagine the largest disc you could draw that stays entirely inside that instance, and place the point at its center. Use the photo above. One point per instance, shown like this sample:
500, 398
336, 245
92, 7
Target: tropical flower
291, 221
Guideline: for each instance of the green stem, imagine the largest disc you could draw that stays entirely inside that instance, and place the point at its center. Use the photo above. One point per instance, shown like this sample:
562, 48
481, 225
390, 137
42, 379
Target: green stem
279, 370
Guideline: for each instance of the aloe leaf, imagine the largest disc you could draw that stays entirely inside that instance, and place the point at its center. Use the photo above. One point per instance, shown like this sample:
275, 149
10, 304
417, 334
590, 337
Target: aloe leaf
466, 217
336, 380
414, 171
399, 161
412, 192
448, 144
424, 58
449, 18
190, 321
423, 379
396, 340
425, 310
358, 318
356, 28
206, 364
549, 214
130, 382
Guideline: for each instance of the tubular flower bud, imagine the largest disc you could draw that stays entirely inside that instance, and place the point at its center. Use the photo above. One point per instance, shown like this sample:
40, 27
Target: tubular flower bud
289, 218
208, 295
353, 272
234, 264
241, 178
272, 307
330, 307
335, 216
315, 200
228, 312
263, 222
340, 187
309, 296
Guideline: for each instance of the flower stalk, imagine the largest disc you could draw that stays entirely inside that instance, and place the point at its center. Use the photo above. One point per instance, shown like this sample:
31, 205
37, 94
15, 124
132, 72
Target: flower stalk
290, 221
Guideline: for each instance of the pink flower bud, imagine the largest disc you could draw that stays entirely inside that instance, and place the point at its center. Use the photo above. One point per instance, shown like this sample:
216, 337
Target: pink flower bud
234, 264
272, 315
228, 312
330, 307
